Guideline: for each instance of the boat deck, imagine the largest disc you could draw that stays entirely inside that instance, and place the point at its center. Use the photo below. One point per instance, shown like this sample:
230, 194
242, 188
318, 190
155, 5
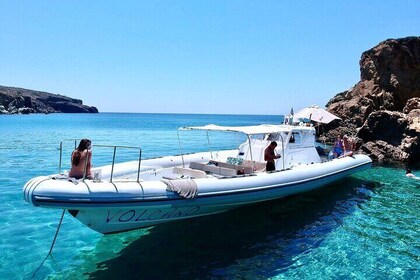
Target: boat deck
194, 170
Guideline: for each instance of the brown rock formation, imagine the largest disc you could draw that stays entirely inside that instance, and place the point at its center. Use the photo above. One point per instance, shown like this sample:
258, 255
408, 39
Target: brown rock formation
385, 105
390, 136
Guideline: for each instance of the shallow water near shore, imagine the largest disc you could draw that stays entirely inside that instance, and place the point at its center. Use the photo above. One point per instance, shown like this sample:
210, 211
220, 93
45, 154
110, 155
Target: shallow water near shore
362, 227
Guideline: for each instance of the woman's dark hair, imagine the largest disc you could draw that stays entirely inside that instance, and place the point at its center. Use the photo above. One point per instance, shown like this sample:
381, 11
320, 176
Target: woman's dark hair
83, 145
408, 170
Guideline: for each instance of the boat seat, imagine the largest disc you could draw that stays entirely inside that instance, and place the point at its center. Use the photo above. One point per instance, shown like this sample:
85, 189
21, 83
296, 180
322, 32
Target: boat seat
215, 169
220, 170
197, 165
189, 172
243, 168
258, 166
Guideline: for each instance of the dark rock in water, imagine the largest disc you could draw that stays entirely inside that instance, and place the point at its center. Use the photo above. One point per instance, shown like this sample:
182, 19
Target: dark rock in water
387, 126
25, 101
391, 136
381, 152
383, 109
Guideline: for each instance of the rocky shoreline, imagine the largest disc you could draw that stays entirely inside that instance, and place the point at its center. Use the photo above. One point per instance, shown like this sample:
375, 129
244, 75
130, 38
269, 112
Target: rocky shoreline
24, 101
382, 111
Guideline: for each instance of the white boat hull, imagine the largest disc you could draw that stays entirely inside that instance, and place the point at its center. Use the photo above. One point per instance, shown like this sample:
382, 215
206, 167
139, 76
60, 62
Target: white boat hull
120, 206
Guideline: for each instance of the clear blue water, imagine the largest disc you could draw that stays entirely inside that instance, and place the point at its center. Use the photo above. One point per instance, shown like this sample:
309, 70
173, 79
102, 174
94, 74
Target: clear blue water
363, 227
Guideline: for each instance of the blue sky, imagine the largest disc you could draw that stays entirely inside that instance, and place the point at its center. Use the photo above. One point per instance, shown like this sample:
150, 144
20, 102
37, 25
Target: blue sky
236, 57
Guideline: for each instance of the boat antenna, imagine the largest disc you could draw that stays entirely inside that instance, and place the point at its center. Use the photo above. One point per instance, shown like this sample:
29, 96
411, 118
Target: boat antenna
180, 149
282, 149
208, 140
250, 153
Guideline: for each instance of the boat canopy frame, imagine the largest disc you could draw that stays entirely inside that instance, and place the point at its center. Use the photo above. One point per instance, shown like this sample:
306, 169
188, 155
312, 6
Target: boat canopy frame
247, 130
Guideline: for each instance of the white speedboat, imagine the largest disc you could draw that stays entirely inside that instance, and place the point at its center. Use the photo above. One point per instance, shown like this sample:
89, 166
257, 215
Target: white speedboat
147, 192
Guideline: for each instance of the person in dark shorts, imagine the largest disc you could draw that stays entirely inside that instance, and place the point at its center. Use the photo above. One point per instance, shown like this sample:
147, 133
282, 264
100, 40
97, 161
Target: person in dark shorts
270, 156
338, 147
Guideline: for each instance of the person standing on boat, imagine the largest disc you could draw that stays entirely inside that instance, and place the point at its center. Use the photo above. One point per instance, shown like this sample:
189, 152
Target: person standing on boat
338, 147
270, 156
81, 158
348, 146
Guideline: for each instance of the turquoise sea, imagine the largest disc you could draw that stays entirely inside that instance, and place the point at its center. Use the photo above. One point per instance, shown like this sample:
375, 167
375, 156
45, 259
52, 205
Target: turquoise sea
363, 227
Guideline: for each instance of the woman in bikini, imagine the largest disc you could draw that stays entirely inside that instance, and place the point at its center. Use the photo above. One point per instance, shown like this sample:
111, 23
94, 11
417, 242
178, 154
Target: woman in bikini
79, 158
348, 146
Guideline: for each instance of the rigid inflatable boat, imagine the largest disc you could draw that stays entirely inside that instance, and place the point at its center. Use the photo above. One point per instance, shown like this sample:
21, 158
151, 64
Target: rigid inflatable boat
147, 192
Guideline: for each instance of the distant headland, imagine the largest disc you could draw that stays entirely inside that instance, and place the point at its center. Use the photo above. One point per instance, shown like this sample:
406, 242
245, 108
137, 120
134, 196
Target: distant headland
383, 109
25, 101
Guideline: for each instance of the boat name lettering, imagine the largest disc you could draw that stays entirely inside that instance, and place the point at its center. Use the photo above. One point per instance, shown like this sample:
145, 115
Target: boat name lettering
128, 216
123, 216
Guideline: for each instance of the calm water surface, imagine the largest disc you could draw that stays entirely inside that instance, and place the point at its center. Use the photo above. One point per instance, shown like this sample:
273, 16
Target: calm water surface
363, 227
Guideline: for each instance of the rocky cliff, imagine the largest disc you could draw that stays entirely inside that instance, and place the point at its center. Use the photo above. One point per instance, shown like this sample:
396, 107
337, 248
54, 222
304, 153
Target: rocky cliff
25, 101
383, 108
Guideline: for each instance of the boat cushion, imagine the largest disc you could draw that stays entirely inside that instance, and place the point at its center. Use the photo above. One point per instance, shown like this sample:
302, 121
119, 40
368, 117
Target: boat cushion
189, 172
258, 166
215, 168
234, 161
245, 169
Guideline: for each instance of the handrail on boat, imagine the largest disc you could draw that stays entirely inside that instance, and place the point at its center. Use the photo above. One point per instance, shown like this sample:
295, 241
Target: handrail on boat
113, 158
61, 151
103, 146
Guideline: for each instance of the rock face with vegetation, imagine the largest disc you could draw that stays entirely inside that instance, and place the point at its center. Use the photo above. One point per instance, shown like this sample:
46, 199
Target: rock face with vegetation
25, 101
383, 108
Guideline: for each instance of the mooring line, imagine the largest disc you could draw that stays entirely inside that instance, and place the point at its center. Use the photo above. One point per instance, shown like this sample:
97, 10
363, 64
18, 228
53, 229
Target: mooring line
52, 245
